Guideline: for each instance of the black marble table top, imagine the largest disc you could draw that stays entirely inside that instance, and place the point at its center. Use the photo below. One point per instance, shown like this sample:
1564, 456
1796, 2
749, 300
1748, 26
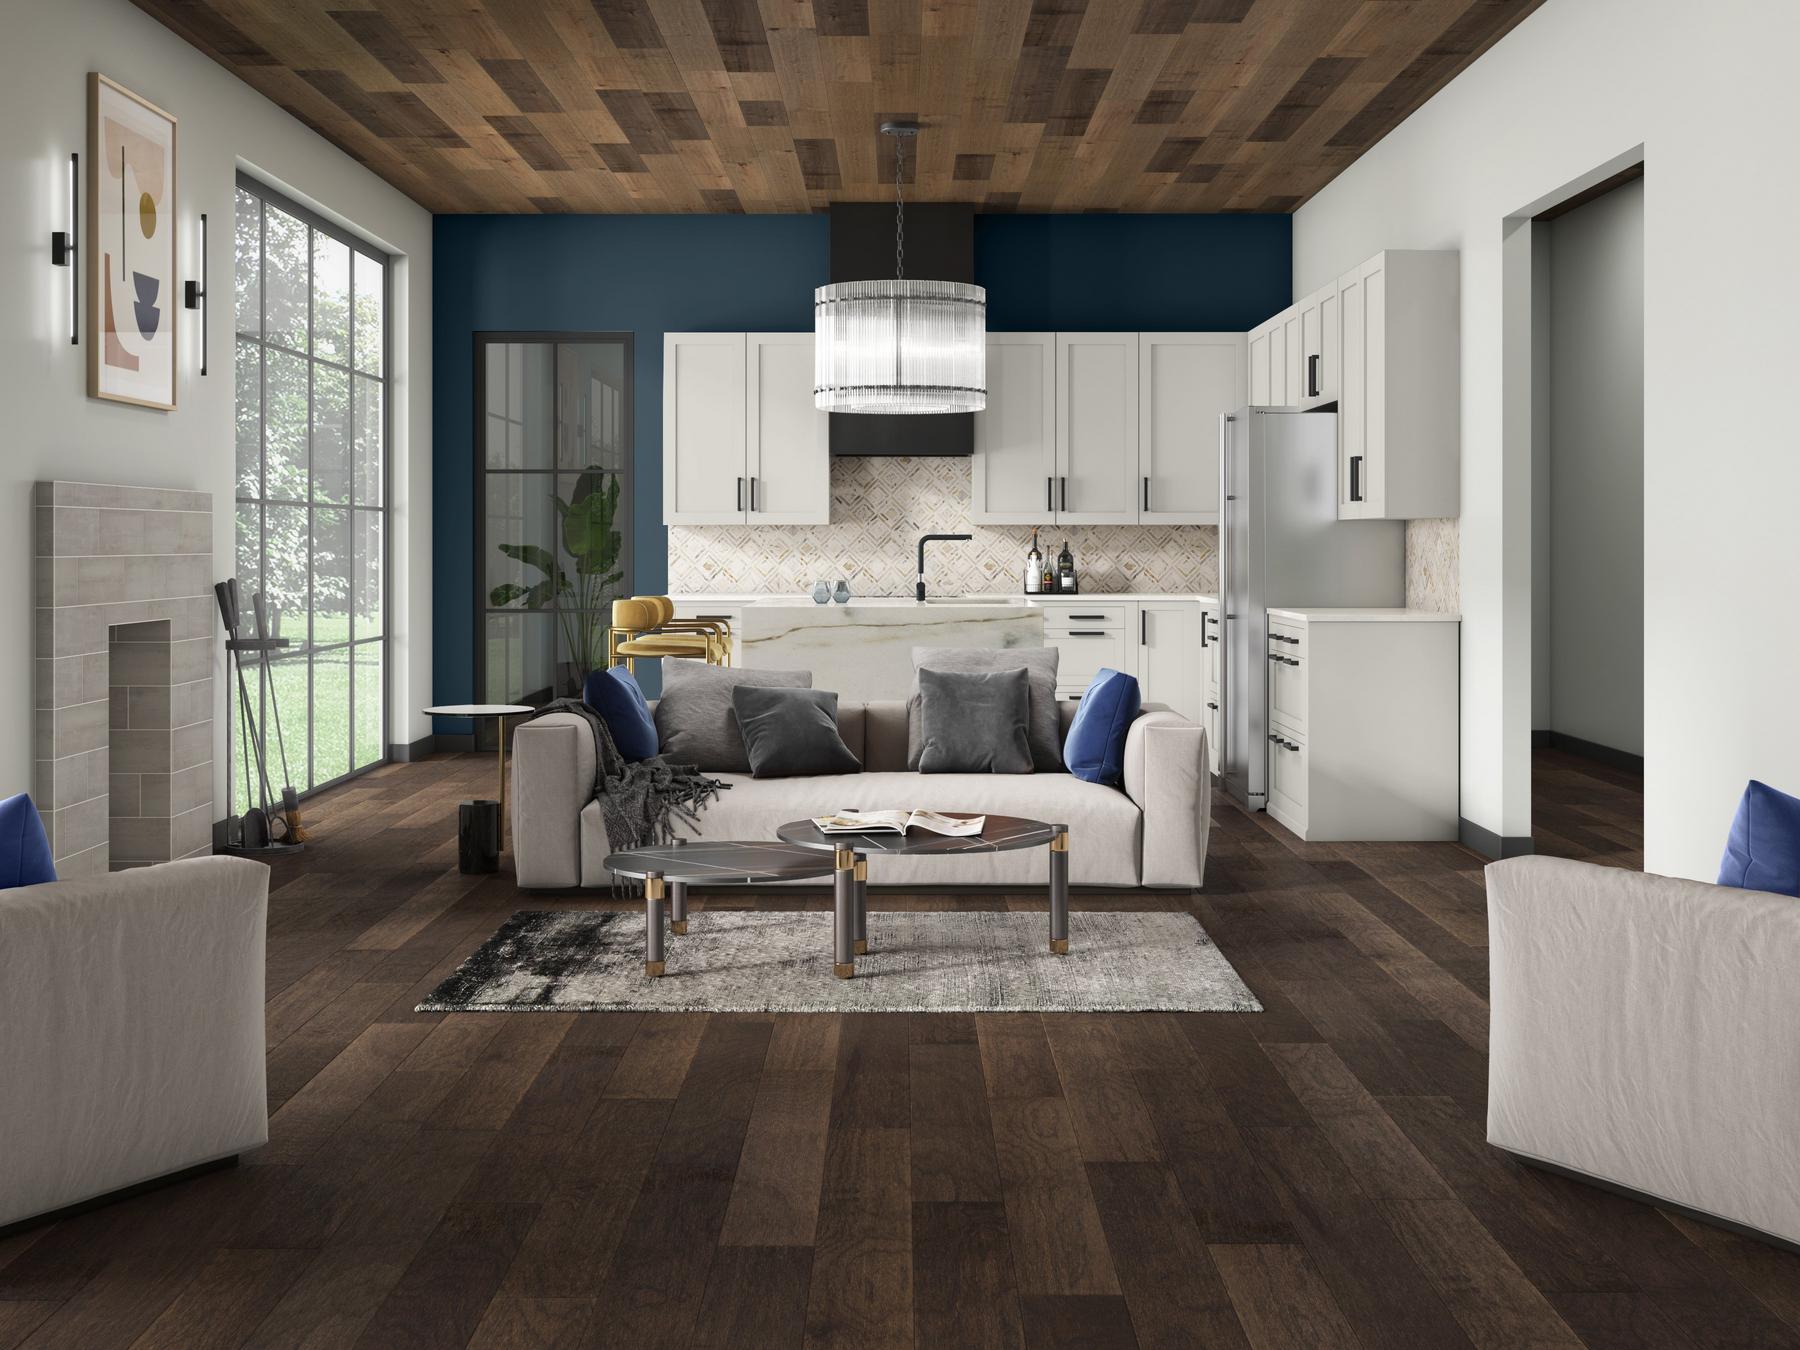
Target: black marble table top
999, 834
721, 862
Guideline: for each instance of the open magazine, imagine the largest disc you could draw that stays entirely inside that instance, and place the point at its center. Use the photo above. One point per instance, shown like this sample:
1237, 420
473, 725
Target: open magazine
898, 822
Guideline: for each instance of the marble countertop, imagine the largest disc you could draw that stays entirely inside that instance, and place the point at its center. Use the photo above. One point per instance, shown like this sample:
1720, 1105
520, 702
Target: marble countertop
1324, 615
781, 601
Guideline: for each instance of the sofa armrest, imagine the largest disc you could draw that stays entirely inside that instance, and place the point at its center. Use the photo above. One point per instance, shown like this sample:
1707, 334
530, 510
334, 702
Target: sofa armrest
552, 779
1642, 1032
133, 1046
1167, 775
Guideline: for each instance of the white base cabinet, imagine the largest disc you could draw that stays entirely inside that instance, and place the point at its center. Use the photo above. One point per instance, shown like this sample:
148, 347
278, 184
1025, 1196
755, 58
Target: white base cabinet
1363, 725
1157, 641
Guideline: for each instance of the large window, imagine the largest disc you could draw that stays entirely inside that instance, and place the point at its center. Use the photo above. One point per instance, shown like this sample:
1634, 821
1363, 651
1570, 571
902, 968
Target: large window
553, 496
312, 369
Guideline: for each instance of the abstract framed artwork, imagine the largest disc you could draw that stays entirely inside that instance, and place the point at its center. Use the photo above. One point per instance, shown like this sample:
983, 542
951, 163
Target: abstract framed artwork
131, 249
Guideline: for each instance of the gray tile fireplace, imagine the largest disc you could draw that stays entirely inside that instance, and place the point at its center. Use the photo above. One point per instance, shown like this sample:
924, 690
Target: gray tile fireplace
124, 644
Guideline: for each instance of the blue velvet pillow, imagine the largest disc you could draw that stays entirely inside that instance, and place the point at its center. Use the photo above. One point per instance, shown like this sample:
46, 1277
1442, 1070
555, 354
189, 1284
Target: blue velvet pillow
24, 848
614, 694
1763, 850
1095, 750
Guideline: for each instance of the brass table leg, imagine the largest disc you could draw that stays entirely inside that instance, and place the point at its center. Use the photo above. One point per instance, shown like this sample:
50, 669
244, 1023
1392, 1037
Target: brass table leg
678, 908
860, 938
1059, 891
653, 924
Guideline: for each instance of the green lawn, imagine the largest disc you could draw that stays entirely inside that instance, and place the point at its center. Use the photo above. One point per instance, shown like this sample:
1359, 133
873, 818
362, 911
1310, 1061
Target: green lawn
327, 729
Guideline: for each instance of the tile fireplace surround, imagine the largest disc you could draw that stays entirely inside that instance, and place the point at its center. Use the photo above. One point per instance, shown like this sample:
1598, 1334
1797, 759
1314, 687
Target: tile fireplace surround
124, 642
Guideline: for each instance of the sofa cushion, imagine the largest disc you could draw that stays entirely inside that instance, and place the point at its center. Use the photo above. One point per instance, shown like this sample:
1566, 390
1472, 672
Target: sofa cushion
695, 723
790, 732
1096, 747
1103, 824
1040, 664
1762, 852
613, 693
974, 723
24, 848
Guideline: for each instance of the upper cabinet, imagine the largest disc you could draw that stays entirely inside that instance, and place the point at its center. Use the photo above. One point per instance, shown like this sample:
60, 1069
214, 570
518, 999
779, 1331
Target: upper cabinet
1399, 400
1185, 381
1096, 428
1103, 428
1013, 477
742, 442
1295, 355
1320, 347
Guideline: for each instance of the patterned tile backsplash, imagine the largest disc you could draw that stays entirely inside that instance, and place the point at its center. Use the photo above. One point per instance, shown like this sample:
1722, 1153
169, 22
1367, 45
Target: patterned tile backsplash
880, 507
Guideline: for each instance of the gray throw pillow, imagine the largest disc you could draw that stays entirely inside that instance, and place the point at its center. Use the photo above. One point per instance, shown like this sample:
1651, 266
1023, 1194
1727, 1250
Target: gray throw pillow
695, 722
791, 733
1043, 725
972, 723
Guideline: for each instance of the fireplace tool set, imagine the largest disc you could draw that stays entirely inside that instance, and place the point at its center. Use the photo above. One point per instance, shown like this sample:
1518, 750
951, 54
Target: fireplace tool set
266, 827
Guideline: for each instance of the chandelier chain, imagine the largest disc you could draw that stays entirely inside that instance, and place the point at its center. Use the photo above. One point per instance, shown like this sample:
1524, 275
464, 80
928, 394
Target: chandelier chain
899, 210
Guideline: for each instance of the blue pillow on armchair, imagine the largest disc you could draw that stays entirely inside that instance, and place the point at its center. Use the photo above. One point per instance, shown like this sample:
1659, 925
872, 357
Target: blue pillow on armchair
1095, 750
24, 848
1763, 850
614, 694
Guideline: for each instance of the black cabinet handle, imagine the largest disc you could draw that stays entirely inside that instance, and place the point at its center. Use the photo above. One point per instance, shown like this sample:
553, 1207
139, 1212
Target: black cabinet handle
753, 493
1146, 492
1144, 623
1213, 706
1091, 618
1088, 632
1356, 491
1063, 488
1312, 376
740, 496
1050, 492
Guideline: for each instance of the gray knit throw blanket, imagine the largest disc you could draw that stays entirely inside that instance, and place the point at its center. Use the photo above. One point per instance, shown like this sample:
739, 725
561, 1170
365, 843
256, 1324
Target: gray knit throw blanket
639, 802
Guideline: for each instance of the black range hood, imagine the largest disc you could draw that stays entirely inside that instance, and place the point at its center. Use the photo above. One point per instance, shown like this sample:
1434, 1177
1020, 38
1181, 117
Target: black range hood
940, 246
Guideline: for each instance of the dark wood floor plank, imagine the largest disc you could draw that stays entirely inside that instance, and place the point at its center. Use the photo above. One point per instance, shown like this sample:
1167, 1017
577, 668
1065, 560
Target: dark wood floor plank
1171, 1286
775, 1194
20, 1317
861, 1296
1059, 1246
952, 1133
871, 1089
656, 1061
755, 1296
802, 1041
445, 1291
1096, 1073
1015, 1057
230, 1297
514, 1323
963, 1287
1077, 1322
1280, 1299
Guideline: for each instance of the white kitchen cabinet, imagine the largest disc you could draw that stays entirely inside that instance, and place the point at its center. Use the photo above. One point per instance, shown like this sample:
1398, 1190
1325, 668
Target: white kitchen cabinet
1399, 403
1278, 379
1212, 709
1320, 336
1261, 340
1293, 335
1014, 466
1185, 381
1168, 655
703, 429
1363, 724
1097, 428
743, 443
787, 446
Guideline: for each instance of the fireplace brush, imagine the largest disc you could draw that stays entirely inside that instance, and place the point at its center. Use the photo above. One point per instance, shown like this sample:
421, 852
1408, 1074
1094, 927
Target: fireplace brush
254, 824
290, 800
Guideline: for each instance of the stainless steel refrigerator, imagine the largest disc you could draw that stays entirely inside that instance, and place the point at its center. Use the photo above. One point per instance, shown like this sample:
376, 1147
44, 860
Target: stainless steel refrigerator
1281, 544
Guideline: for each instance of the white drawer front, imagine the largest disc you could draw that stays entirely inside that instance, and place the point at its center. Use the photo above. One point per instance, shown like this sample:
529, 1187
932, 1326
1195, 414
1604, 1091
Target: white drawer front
1287, 637
1065, 618
1084, 653
1287, 691
1287, 780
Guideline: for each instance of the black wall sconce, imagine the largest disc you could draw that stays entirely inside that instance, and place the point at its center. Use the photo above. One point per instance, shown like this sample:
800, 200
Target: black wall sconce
196, 295
64, 244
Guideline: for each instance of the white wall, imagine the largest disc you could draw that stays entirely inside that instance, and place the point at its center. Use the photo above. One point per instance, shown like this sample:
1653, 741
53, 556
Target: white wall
1707, 92
53, 430
1594, 516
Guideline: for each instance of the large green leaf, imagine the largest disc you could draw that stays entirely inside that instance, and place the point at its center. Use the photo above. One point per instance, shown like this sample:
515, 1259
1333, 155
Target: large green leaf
532, 555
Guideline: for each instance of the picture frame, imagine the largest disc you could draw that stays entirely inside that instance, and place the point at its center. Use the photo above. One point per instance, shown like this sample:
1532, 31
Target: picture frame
131, 246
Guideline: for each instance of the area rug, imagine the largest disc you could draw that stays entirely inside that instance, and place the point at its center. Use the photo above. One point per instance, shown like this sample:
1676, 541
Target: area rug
750, 961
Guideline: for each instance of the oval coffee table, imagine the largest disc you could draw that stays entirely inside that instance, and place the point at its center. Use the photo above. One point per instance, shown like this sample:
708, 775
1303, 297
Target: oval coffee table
851, 875
706, 862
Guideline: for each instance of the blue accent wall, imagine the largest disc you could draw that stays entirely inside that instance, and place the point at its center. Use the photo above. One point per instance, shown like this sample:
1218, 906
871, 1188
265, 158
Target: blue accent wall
648, 275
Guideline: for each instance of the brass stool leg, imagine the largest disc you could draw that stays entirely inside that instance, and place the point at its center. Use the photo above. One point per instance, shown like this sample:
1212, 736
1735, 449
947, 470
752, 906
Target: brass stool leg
1059, 891
843, 917
860, 937
653, 924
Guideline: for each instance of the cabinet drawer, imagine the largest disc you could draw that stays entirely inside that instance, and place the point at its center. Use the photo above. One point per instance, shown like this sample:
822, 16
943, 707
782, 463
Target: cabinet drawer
1065, 618
1084, 652
1287, 780
1287, 637
1287, 691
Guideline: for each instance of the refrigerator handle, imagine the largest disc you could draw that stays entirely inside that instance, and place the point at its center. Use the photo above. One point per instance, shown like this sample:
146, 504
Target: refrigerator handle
1225, 421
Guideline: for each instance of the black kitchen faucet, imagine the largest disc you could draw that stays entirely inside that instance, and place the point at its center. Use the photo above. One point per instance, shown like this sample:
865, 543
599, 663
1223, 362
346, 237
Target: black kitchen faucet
924, 539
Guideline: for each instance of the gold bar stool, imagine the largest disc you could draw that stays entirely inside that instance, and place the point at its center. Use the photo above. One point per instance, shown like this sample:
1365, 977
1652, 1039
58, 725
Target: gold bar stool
645, 627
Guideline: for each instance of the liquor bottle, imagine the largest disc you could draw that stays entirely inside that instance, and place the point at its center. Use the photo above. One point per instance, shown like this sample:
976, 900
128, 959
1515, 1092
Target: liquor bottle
1034, 568
1065, 571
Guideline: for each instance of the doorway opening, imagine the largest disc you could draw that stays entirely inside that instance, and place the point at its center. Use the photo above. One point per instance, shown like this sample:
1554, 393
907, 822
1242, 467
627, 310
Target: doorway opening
1587, 524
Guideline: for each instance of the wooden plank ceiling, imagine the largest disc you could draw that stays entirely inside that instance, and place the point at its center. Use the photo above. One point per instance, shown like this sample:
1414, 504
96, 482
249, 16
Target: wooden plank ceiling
772, 105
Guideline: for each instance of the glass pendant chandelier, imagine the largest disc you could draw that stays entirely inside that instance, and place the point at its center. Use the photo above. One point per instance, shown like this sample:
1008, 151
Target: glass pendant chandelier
900, 346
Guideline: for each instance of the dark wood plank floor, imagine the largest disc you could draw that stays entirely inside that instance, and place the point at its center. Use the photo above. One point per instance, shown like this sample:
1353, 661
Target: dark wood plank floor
1312, 1176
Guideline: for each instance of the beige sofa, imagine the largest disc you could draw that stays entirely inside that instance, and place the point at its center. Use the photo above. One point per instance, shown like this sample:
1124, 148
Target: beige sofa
131, 1029
1646, 1034
1152, 832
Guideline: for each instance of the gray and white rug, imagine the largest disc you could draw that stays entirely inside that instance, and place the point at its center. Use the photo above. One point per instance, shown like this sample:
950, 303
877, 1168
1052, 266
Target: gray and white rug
751, 961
